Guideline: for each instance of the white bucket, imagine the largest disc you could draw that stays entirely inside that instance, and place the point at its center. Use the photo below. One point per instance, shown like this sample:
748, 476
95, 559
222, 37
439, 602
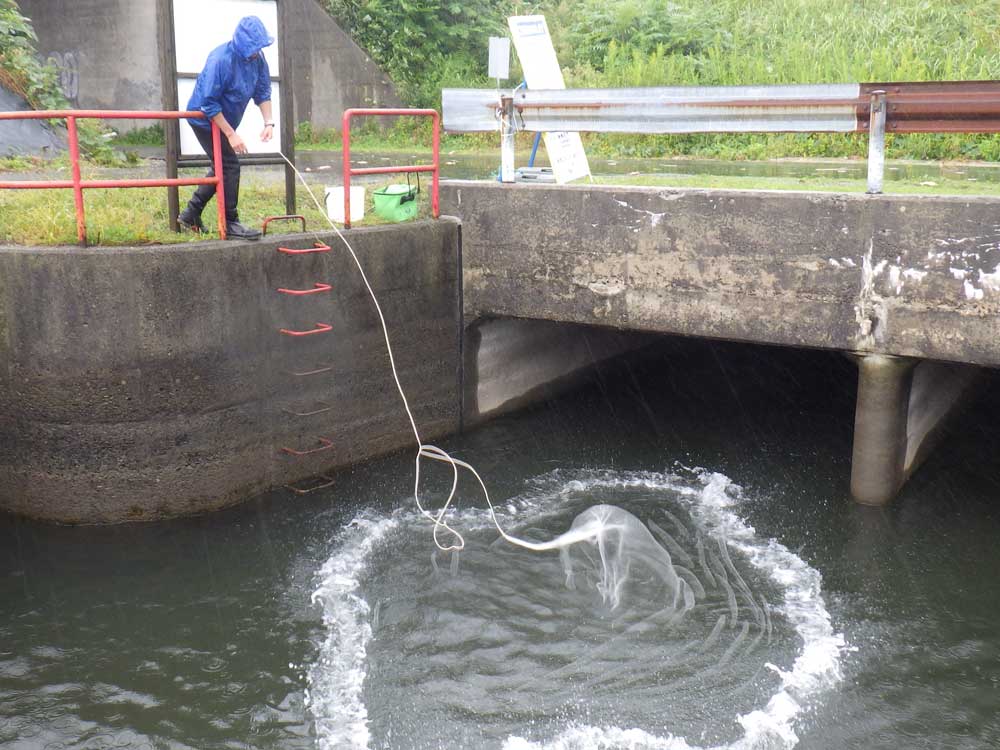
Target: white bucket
335, 203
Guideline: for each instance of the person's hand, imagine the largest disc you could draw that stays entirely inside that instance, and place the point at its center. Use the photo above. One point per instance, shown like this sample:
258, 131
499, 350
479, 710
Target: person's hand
237, 143
267, 133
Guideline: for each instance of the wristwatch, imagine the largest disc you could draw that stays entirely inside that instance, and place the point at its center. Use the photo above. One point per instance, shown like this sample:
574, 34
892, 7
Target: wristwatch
268, 124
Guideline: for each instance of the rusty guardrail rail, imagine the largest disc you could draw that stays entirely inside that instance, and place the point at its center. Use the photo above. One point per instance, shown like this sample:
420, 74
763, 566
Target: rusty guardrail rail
873, 108
78, 185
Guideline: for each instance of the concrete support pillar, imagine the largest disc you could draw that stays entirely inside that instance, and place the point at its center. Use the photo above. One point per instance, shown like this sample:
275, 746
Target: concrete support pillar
902, 405
878, 467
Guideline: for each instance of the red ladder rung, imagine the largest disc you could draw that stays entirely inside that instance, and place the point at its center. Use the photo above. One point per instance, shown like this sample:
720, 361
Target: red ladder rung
319, 370
319, 287
320, 328
305, 490
325, 445
323, 407
286, 217
318, 247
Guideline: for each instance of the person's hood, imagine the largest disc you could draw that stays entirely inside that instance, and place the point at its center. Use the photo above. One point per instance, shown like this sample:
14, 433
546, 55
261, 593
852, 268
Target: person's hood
250, 37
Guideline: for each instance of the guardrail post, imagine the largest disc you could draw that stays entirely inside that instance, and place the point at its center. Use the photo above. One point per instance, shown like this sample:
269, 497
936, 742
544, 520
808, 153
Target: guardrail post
506, 138
876, 143
74, 156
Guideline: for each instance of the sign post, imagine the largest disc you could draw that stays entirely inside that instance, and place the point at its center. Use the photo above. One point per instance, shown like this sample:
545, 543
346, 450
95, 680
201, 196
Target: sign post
542, 71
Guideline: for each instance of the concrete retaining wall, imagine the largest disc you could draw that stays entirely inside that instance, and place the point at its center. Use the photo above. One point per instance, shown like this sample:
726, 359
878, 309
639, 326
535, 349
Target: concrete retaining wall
108, 53
916, 276
331, 73
144, 383
106, 50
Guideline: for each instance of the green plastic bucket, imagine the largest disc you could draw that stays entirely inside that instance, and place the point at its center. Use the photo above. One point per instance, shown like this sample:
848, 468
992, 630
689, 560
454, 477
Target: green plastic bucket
396, 202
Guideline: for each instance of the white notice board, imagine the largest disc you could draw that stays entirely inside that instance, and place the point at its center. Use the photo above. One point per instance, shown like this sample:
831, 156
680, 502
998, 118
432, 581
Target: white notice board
542, 71
199, 27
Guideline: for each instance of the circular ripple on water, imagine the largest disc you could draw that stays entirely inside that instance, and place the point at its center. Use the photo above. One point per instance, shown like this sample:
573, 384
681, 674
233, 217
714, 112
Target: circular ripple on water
491, 649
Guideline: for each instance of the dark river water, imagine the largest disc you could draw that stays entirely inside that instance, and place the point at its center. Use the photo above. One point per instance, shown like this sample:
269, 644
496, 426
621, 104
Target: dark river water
330, 620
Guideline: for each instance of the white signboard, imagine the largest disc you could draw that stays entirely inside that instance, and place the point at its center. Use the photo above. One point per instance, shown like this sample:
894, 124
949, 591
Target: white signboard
199, 27
499, 66
542, 71
250, 128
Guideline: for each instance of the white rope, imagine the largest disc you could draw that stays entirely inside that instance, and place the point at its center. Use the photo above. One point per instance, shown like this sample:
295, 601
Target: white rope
425, 450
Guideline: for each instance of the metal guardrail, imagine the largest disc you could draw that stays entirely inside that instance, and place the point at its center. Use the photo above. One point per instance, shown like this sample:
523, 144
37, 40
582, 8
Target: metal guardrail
956, 106
434, 167
874, 108
78, 185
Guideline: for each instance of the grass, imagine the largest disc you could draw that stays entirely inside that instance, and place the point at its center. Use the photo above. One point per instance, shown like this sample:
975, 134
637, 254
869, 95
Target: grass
819, 184
28, 163
139, 216
404, 134
152, 135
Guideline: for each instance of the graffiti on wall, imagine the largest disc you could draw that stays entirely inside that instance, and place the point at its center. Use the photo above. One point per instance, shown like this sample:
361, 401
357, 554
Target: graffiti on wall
68, 65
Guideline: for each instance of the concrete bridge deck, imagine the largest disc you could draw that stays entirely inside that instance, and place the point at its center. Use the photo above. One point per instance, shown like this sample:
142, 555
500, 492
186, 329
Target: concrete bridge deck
914, 276
908, 285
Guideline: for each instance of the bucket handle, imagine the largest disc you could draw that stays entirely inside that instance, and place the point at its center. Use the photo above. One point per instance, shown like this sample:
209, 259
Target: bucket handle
410, 194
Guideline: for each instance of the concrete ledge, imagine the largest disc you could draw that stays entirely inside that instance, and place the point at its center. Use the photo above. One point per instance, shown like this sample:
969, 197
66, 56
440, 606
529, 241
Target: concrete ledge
915, 276
144, 383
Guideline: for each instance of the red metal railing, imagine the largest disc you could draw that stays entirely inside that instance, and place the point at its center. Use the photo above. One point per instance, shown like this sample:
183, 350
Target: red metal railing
78, 185
349, 171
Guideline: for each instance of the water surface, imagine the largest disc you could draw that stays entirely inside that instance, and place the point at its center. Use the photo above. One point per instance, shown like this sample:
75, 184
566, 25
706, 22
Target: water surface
203, 633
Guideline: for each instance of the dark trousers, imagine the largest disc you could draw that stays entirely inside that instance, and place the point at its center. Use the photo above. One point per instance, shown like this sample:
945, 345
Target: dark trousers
230, 177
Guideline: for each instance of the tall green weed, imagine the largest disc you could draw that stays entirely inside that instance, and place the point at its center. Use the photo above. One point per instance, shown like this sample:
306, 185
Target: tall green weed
428, 44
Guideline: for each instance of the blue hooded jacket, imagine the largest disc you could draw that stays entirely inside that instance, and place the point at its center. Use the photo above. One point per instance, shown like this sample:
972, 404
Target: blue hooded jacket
230, 78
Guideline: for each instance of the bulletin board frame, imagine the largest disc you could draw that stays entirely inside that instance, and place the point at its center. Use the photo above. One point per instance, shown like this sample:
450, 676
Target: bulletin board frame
171, 77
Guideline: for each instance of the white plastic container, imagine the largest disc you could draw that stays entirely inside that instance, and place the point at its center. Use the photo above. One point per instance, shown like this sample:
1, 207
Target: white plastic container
335, 203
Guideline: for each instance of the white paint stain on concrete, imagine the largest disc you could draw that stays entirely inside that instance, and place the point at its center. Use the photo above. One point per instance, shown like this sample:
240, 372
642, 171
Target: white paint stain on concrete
654, 217
991, 281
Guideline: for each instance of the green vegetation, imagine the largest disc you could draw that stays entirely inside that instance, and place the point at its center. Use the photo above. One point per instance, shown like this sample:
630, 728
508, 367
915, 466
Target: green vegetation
424, 46
138, 216
403, 134
941, 186
20, 69
22, 163
22, 72
148, 136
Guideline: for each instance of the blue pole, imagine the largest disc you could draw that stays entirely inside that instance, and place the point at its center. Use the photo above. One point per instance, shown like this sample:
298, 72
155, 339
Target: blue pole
534, 149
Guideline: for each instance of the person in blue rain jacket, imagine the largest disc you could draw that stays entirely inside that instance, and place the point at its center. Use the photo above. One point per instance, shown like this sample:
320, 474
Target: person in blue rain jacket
234, 73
